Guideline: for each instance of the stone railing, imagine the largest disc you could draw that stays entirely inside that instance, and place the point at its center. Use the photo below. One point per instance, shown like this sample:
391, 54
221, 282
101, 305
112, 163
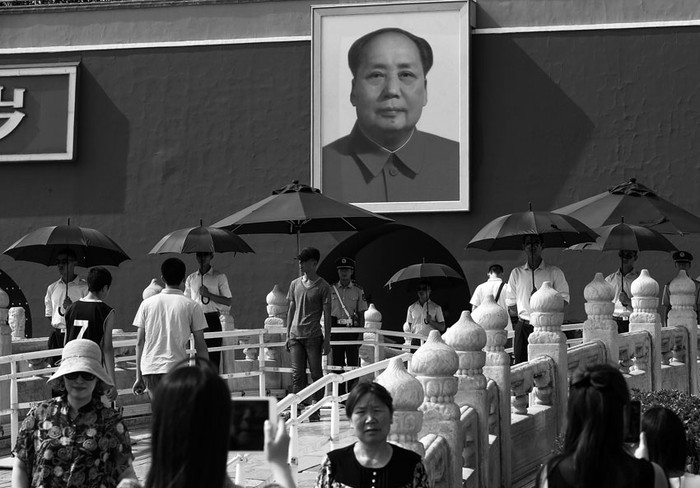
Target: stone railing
476, 420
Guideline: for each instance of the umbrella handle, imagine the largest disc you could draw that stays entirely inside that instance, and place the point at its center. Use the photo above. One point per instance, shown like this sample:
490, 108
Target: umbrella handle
63, 314
201, 297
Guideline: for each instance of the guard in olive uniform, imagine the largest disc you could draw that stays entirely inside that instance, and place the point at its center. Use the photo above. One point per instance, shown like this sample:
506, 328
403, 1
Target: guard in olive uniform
348, 307
683, 261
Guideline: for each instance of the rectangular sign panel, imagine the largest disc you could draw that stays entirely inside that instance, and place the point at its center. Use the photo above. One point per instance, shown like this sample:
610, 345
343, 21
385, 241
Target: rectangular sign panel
37, 112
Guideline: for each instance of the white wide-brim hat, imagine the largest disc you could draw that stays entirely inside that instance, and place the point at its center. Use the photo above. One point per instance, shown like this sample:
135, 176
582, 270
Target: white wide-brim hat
82, 355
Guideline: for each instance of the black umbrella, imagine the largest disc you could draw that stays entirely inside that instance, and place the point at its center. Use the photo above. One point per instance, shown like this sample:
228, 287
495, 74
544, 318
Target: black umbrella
437, 274
91, 247
507, 232
201, 239
638, 205
297, 209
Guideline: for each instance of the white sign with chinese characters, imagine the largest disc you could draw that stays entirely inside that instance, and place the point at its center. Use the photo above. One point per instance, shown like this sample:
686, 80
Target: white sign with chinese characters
37, 112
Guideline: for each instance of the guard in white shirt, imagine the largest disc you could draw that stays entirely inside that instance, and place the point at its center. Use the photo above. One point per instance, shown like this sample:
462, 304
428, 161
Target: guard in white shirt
210, 288
424, 314
348, 306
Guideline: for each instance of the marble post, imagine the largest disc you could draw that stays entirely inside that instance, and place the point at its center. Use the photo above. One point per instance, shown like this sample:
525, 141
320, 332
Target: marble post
599, 295
645, 293
5, 348
277, 307
468, 339
407, 394
371, 351
17, 318
494, 319
547, 339
683, 314
434, 364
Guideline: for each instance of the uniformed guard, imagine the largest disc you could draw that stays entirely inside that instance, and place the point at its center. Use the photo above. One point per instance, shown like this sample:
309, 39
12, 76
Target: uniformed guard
683, 261
348, 307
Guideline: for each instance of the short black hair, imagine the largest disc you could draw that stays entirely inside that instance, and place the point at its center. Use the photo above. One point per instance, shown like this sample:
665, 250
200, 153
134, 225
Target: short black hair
309, 253
364, 387
173, 271
496, 268
424, 50
666, 438
97, 278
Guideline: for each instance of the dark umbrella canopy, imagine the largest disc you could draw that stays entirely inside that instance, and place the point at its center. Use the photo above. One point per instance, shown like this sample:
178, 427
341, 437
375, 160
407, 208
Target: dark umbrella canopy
627, 237
201, 239
297, 209
638, 205
506, 232
91, 247
437, 275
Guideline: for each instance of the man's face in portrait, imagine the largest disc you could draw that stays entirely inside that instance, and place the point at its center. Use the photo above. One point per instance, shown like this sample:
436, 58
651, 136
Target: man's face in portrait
389, 89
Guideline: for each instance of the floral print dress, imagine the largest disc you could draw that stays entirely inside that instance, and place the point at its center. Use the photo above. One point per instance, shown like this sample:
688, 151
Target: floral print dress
91, 451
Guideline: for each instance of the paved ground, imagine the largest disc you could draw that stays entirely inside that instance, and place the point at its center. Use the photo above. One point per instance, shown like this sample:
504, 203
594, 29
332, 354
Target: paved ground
314, 442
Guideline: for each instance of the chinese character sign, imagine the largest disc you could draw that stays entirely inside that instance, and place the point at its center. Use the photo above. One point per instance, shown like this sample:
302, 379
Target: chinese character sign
37, 112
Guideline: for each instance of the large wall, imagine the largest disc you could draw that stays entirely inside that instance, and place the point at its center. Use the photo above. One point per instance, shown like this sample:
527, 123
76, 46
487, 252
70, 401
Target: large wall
172, 133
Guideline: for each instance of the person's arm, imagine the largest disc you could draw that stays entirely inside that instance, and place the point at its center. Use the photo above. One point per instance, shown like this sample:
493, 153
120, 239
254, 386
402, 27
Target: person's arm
277, 451
561, 285
20, 479
139, 385
439, 322
511, 297
108, 351
199, 344
224, 296
48, 307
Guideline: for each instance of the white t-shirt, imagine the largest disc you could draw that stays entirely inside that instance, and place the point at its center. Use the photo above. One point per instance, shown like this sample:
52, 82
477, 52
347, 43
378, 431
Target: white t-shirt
168, 319
417, 313
490, 287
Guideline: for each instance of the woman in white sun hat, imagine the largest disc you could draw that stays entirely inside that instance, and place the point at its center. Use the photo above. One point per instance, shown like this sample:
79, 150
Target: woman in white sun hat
74, 439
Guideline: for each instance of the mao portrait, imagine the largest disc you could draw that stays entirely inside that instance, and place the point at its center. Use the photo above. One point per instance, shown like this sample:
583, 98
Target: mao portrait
388, 155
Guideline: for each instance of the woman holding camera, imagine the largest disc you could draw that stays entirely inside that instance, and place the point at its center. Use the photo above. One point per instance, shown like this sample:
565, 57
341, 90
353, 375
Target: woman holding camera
371, 461
190, 428
595, 454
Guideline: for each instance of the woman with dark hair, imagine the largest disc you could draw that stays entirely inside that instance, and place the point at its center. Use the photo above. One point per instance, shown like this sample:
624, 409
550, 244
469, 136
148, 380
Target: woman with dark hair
371, 461
74, 439
191, 414
663, 442
595, 455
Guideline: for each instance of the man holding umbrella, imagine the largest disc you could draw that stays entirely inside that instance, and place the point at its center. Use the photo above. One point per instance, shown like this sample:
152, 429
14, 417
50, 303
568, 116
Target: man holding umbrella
621, 280
523, 282
210, 288
60, 294
424, 314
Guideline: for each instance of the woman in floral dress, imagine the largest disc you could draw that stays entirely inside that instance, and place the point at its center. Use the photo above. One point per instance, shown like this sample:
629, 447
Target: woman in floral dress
74, 439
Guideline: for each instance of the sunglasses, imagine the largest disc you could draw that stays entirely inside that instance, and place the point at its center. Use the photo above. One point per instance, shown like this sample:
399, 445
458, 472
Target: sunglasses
83, 374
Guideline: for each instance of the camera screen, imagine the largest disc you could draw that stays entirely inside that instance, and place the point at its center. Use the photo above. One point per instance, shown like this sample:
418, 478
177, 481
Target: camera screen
248, 417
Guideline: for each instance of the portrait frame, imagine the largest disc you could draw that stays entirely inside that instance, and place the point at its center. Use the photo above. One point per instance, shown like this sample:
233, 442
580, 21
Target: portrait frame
446, 25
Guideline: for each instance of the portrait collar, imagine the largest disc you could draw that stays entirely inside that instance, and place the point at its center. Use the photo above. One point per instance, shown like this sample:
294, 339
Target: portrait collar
373, 156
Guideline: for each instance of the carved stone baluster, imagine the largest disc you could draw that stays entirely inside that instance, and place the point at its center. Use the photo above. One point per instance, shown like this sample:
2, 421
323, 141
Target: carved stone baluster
547, 339
682, 297
599, 295
435, 365
277, 307
468, 339
5, 349
16, 317
373, 321
494, 319
645, 292
407, 394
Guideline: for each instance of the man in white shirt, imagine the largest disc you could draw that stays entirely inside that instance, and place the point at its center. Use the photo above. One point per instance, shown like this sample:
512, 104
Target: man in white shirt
424, 314
165, 322
521, 289
210, 289
495, 287
621, 281
59, 295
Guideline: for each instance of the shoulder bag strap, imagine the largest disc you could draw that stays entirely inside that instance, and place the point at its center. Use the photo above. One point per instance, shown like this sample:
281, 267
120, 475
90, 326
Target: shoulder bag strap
500, 288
